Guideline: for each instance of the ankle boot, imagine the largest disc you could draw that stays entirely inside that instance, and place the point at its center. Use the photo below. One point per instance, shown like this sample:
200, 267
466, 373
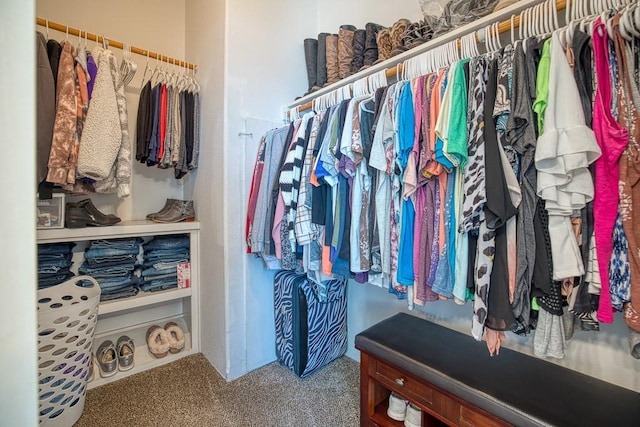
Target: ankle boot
322, 60
345, 50
84, 213
332, 58
370, 44
359, 38
180, 210
396, 33
165, 208
384, 45
311, 59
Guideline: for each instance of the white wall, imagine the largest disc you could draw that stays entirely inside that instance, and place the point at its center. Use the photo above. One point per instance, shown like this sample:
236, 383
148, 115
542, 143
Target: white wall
18, 366
333, 13
155, 25
265, 69
205, 39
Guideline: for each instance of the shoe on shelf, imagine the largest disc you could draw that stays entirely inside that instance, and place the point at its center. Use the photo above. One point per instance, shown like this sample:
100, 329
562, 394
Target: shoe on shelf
413, 417
84, 213
397, 407
158, 341
126, 352
165, 208
107, 359
180, 210
176, 337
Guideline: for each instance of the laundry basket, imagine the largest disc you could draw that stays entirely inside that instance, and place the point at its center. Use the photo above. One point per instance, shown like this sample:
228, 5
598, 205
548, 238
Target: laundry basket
67, 315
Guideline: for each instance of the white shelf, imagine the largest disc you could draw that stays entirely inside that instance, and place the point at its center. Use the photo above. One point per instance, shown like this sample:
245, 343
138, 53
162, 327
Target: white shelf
143, 299
132, 316
123, 229
143, 359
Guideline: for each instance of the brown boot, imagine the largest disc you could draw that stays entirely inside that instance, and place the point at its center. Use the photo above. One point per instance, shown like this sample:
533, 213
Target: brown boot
384, 45
332, 58
345, 50
371, 45
395, 33
359, 40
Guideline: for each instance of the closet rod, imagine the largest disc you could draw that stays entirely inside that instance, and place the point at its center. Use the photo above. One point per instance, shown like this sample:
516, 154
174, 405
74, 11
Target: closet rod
96, 38
503, 27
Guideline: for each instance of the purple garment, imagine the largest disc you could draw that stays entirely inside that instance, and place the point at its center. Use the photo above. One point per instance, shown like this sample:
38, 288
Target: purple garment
92, 70
435, 246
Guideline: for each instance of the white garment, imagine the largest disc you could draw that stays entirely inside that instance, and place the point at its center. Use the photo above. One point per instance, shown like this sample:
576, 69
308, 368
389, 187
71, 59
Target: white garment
563, 154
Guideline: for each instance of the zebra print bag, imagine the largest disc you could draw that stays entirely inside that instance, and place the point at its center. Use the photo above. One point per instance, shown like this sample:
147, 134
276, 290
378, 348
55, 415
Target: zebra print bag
310, 321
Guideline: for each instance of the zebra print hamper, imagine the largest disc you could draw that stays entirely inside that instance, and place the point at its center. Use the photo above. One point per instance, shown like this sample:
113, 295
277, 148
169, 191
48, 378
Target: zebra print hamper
310, 320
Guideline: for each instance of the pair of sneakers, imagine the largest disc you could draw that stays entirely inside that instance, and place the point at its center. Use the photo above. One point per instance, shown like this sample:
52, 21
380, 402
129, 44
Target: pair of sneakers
112, 358
402, 410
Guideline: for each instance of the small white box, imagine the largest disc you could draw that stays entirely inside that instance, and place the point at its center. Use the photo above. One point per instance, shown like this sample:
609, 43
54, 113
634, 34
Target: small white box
50, 213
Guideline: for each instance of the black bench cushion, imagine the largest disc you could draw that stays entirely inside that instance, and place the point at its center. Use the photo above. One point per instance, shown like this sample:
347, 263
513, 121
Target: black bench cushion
517, 388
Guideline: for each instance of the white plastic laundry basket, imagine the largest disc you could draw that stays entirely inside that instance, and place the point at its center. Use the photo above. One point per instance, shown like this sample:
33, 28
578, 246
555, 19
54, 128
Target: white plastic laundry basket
67, 315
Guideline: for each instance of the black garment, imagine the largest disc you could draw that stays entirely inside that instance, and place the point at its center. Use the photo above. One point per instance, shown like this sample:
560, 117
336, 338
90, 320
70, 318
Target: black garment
583, 72
319, 194
46, 113
547, 290
498, 210
54, 49
144, 123
153, 146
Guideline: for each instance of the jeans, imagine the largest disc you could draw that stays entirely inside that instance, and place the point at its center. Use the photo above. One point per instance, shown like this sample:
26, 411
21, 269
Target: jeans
124, 243
52, 280
160, 265
126, 292
161, 253
159, 285
111, 261
152, 272
113, 271
108, 252
117, 283
167, 242
55, 248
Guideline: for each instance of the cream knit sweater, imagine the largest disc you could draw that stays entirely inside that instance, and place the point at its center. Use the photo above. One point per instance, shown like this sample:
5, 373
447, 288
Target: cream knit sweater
105, 147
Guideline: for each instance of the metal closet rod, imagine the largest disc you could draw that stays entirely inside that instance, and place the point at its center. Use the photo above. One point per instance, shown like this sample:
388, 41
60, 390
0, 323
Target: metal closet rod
114, 43
393, 71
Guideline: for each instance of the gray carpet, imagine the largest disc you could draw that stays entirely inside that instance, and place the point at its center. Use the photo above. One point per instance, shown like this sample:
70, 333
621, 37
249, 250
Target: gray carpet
190, 392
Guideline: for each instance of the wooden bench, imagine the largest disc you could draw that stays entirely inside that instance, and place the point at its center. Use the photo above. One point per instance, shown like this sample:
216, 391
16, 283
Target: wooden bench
455, 381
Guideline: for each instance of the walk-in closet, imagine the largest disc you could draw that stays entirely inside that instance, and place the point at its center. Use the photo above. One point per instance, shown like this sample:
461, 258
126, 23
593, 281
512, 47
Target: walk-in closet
319, 213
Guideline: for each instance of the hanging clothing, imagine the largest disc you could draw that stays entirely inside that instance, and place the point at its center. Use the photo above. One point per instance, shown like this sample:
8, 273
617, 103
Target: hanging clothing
612, 139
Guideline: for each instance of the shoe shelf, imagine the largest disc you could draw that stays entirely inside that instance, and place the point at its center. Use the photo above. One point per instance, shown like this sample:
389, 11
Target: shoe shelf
123, 229
143, 359
132, 316
143, 299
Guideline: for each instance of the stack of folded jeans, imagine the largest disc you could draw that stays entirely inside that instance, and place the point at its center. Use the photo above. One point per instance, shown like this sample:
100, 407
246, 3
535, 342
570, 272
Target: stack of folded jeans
161, 258
113, 264
54, 263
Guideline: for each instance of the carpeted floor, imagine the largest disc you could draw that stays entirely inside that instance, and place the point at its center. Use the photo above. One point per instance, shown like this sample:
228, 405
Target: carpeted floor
190, 392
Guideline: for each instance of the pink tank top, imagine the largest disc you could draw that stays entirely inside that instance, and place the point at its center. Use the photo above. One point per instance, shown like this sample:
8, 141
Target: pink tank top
612, 139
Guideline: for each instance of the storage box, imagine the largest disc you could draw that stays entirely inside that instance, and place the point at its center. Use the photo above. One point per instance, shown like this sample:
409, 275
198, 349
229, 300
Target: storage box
50, 212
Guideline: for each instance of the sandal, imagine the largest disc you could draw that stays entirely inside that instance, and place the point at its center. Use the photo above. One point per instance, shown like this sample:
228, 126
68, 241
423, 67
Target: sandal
126, 351
176, 337
106, 358
158, 341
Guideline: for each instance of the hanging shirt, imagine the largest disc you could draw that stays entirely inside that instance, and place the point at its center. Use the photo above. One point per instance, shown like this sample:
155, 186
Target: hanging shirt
612, 139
